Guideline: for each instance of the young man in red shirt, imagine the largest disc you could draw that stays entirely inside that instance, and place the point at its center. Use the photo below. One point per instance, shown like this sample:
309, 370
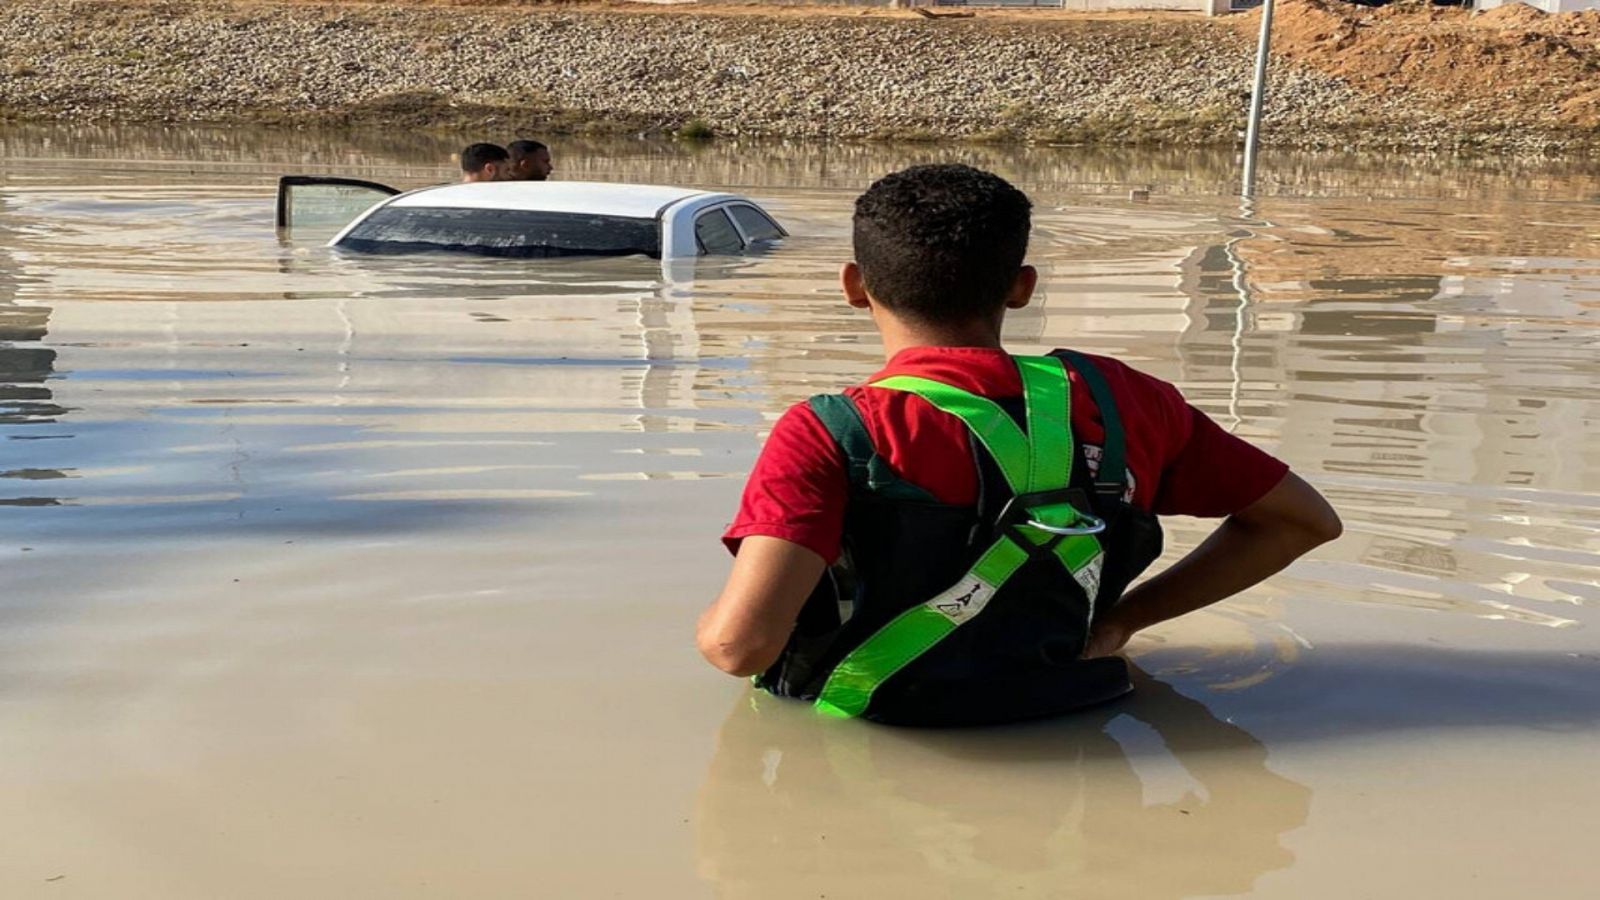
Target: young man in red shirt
978, 516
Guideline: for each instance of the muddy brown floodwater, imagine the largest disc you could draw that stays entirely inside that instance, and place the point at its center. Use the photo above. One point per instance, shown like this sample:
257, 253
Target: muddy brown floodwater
341, 577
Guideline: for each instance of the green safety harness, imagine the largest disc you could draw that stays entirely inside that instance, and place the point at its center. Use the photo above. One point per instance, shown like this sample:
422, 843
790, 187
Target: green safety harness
1039, 520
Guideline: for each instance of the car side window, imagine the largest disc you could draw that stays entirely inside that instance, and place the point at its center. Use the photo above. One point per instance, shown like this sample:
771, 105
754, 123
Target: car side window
715, 233
755, 223
528, 233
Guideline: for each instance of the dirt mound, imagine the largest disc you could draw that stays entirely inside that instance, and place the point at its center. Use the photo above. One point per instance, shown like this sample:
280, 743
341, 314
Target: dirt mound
1510, 15
1301, 22
1525, 18
1584, 108
1513, 66
1583, 23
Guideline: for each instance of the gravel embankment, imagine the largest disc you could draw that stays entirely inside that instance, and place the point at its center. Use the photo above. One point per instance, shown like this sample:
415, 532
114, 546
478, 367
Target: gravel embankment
1174, 80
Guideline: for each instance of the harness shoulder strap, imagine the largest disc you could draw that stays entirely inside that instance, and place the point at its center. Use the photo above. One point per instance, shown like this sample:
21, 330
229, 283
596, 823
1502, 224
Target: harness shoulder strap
986, 420
1111, 479
868, 470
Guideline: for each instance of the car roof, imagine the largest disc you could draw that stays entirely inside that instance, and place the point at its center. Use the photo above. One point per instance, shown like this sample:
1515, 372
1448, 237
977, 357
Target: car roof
639, 201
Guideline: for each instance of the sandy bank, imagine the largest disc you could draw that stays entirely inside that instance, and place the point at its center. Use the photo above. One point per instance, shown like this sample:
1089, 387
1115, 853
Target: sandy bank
1054, 78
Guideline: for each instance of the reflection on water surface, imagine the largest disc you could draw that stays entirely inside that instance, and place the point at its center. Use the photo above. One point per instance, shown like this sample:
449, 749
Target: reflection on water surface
915, 808
295, 544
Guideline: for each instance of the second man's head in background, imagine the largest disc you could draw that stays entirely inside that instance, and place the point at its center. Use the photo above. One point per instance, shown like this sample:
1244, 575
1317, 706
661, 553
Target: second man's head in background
530, 161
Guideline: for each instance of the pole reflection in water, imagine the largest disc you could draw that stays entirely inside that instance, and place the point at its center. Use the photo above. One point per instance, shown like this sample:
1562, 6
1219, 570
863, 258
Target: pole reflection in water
1397, 356
798, 806
25, 397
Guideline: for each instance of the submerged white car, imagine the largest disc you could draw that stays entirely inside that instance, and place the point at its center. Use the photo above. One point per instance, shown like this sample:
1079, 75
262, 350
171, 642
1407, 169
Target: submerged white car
529, 219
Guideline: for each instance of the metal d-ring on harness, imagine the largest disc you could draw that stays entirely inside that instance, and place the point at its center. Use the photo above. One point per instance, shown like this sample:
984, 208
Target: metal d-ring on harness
1093, 525
1044, 518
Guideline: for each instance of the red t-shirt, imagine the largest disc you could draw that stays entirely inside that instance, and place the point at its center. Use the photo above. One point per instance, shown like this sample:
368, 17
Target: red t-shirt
1179, 461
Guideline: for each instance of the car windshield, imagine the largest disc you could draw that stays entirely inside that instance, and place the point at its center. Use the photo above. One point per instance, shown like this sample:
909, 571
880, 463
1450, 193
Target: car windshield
502, 232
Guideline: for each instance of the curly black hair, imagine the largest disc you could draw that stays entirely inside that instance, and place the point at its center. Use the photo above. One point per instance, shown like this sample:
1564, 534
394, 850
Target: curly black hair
941, 243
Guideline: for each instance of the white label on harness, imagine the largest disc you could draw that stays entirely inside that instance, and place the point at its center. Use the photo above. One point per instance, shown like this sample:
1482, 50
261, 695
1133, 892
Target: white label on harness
964, 600
1089, 577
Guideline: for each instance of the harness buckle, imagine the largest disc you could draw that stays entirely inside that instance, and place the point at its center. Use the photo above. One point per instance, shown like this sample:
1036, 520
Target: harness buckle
1109, 488
1020, 510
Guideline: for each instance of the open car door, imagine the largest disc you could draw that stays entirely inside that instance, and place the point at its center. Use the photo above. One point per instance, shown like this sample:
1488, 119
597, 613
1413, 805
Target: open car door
324, 201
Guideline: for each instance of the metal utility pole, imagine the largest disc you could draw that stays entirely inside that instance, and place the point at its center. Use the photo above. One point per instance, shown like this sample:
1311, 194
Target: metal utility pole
1257, 97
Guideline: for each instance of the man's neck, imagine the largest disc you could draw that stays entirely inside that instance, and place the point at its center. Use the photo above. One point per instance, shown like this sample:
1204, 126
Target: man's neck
899, 334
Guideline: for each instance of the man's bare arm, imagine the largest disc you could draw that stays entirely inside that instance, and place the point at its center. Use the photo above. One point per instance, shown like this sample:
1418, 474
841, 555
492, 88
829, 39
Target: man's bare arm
746, 628
1250, 546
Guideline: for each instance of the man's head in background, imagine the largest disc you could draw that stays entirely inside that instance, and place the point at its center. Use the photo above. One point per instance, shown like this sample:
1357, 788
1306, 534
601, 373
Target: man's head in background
530, 161
485, 162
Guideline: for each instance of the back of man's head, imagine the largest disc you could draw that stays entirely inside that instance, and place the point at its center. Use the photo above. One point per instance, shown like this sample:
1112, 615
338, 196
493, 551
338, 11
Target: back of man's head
941, 244
476, 156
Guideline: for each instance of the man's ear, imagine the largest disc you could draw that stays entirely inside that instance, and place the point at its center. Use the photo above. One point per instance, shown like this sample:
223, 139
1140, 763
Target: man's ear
1022, 288
854, 286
